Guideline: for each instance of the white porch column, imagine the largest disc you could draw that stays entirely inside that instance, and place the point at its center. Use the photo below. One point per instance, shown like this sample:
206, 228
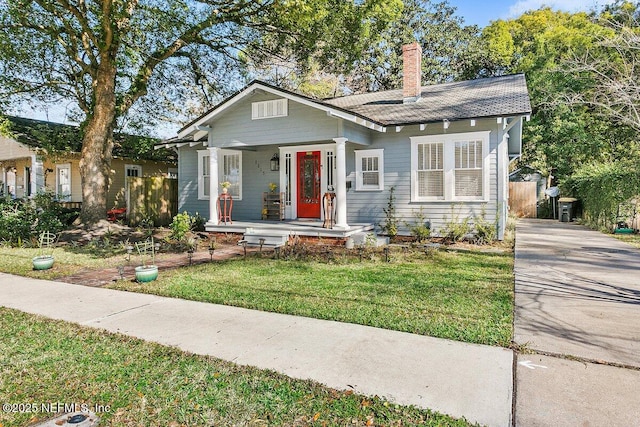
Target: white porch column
213, 186
341, 183
36, 171
4, 181
502, 152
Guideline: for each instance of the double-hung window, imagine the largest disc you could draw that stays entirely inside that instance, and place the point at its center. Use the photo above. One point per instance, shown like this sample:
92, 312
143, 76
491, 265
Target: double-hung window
229, 170
451, 167
468, 169
369, 170
430, 170
204, 175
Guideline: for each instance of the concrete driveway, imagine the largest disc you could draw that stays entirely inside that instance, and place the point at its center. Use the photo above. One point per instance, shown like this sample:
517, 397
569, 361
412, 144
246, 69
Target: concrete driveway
578, 307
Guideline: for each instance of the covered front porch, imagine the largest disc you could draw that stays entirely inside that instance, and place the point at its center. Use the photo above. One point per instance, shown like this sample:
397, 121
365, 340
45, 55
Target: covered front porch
302, 184
306, 228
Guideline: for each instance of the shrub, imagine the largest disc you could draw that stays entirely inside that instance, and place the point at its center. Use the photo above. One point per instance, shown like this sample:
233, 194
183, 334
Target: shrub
420, 228
455, 229
198, 222
23, 220
390, 226
603, 188
485, 231
180, 226
51, 216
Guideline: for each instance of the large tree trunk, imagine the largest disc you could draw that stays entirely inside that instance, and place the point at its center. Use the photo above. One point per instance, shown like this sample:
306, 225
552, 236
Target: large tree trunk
97, 147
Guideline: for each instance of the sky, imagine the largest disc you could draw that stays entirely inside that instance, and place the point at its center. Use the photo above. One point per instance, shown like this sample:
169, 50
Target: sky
481, 12
478, 12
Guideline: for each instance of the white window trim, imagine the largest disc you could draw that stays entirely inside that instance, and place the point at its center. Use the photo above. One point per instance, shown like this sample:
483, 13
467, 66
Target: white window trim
133, 167
68, 197
221, 154
202, 154
449, 141
379, 153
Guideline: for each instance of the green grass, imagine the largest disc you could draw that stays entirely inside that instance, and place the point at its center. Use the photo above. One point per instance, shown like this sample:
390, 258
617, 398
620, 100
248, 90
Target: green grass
67, 262
460, 296
632, 239
145, 384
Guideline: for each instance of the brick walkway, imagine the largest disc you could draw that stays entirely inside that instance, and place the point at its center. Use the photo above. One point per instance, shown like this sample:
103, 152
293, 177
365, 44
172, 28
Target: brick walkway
99, 278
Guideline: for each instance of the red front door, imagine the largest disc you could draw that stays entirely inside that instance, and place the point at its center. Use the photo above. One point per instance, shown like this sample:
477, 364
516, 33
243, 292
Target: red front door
309, 184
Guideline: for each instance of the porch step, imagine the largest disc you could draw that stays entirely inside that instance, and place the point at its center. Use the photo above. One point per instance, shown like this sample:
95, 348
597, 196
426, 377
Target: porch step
367, 238
292, 228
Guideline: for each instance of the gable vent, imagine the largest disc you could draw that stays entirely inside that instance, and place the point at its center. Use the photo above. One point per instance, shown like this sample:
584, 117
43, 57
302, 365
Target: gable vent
269, 109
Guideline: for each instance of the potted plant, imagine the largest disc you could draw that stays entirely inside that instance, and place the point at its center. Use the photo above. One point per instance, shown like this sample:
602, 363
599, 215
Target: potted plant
272, 187
225, 186
46, 242
146, 272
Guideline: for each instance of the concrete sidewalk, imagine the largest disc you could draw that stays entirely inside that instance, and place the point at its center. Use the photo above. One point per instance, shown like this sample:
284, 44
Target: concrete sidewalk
462, 380
577, 295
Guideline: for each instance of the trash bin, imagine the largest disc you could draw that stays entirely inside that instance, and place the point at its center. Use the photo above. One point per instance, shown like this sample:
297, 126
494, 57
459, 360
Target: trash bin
566, 209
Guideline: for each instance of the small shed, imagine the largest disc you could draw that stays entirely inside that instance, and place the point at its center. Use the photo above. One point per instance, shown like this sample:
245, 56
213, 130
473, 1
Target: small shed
526, 190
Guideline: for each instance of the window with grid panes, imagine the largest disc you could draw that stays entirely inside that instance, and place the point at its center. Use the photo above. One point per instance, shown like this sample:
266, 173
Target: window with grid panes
369, 170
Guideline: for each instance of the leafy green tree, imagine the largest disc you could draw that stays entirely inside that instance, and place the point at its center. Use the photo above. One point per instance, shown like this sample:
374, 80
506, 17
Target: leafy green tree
117, 58
611, 70
5, 126
561, 134
450, 50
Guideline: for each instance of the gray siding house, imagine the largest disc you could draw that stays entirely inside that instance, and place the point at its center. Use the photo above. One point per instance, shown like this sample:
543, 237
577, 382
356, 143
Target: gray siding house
443, 148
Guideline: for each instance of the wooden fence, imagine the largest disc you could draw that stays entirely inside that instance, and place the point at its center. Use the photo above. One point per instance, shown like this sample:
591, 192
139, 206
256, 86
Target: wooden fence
523, 199
152, 198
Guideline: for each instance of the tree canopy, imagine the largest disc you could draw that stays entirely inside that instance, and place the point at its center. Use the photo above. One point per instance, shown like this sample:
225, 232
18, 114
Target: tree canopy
563, 134
449, 52
581, 71
157, 59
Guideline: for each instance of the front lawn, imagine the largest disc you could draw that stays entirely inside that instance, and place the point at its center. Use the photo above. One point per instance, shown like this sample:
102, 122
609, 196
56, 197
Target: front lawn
67, 262
47, 364
460, 296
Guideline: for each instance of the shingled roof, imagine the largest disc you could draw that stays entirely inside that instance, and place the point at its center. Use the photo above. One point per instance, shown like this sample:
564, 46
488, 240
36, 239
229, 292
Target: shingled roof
487, 97
61, 138
472, 99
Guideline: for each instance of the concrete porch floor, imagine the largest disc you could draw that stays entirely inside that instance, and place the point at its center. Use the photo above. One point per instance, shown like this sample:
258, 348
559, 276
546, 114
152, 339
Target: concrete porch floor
294, 227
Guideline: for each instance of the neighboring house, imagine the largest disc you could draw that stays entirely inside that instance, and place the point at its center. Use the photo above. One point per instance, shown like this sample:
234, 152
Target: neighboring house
43, 156
442, 147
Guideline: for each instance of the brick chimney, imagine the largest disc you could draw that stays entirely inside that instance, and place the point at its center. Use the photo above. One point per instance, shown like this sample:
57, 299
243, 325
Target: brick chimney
412, 74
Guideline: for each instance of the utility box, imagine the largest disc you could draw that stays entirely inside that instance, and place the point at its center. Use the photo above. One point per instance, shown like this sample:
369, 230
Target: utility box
567, 209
